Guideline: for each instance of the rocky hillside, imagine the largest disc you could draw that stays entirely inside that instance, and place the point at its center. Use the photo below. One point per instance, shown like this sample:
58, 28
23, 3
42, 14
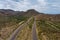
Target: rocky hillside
51, 17
8, 12
29, 13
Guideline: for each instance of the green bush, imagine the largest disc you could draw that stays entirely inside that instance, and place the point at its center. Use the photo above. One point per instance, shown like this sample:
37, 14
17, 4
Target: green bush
10, 20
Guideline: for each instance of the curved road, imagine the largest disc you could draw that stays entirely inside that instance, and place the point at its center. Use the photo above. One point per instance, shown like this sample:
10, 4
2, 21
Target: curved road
14, 34
34, 34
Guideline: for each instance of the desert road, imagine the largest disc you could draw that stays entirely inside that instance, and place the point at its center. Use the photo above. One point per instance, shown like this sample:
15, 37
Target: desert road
14, 34
34, 34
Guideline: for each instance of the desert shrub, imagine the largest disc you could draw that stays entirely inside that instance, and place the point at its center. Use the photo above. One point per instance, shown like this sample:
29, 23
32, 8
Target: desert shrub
6, 21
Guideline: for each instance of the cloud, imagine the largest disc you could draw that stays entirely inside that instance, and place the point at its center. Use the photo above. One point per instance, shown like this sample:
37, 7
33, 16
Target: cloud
10, 4
22, 5
42, 2
39, 5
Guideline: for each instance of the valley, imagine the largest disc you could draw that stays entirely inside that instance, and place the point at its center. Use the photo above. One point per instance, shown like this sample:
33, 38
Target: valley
30, 25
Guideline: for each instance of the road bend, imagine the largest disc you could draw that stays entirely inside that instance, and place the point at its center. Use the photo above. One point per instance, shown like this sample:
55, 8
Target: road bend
34, 33
14, 34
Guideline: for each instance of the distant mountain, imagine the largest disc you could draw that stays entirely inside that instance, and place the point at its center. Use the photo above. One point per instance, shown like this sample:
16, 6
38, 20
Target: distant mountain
29, 13
6, 12
9, 12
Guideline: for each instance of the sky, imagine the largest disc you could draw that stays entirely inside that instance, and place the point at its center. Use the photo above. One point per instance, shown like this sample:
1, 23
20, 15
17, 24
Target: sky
44, 6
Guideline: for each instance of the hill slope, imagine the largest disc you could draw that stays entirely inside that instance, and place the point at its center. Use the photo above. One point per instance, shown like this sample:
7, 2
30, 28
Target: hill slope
8, 12
29, 13
51, 17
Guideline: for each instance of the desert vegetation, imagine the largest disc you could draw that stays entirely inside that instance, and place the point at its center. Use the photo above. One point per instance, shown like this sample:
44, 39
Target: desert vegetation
6, 21
47, 26
10, 23
48, 30
26, 32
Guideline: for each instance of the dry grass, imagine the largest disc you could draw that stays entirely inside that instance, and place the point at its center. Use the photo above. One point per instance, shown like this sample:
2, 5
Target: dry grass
24, 34
47, 32
5, 32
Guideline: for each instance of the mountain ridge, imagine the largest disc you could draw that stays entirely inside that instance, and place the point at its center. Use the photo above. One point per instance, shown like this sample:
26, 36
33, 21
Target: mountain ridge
29, 13
9, 12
